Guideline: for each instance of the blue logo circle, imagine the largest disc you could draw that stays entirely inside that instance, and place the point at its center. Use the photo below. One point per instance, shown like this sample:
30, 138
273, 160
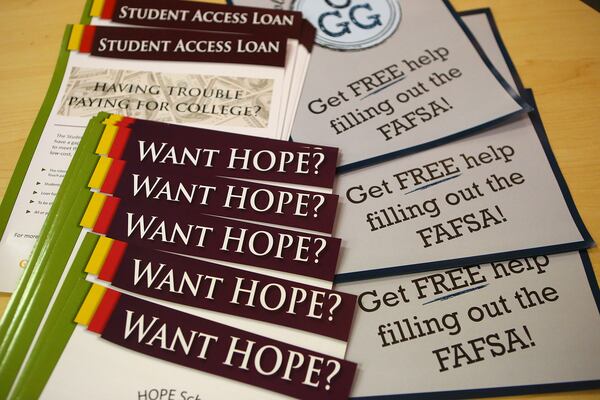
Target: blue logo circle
351, 24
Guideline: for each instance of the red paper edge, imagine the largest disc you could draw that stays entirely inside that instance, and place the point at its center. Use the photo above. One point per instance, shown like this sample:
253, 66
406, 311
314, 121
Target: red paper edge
113, 261
106, 215
104, 311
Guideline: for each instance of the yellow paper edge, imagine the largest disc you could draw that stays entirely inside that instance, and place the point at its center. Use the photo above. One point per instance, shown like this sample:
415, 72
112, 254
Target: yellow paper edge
96, 261
90, 305
107, 139
97, 7
93, 210
75, 39
100, 172
113, 119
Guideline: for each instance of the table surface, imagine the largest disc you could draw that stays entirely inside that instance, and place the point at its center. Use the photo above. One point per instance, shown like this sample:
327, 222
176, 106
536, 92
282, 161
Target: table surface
554, 45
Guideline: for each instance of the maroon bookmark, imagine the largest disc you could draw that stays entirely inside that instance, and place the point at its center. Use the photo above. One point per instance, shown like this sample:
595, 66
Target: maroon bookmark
218, 349
176, 229
203, 16
227, 197
182, 45
224, 154
210, 286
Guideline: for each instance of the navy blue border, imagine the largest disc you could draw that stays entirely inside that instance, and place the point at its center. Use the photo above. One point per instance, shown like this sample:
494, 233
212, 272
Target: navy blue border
484, 57
500, 42
525, 107
502, 256
593, 281
511, 390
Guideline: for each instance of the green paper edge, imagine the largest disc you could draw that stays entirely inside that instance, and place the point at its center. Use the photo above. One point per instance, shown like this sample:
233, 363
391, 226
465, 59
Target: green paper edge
41, 247
35, 133
18, 176
61, 231
58, 328
85, 16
